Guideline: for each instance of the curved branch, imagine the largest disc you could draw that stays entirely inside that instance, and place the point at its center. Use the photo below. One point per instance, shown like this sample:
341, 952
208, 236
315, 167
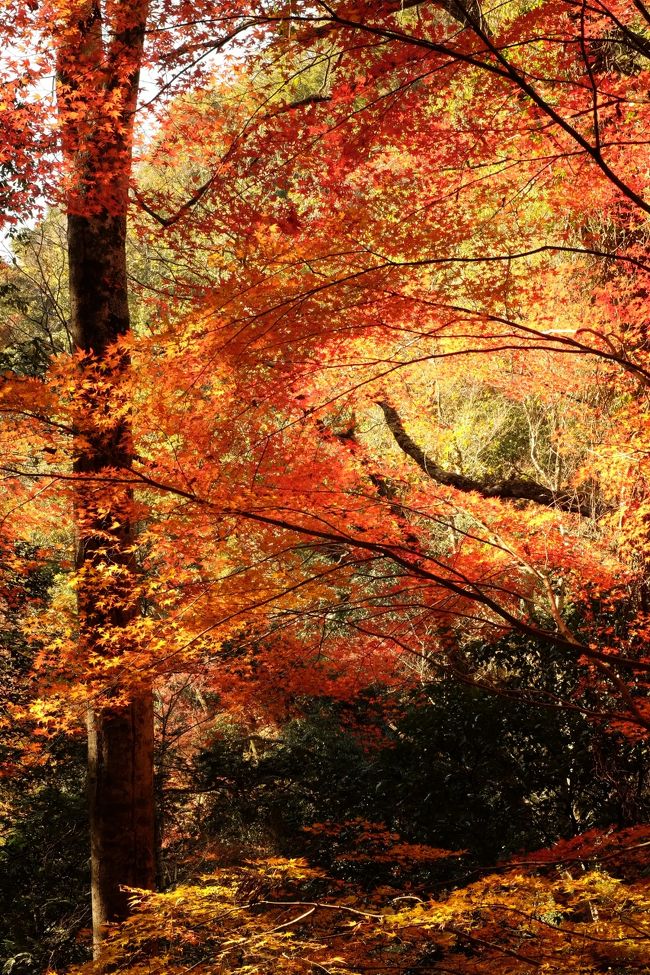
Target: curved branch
509, 489
465, 12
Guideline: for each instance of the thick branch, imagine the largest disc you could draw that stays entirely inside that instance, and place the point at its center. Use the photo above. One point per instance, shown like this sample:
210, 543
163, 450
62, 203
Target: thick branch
463, 11
510, 489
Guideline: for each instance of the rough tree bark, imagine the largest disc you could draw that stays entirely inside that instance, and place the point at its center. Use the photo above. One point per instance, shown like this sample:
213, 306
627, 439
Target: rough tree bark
99, 52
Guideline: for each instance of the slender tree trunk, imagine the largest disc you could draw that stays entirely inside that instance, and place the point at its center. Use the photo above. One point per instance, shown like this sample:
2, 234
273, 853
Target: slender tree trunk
99, 54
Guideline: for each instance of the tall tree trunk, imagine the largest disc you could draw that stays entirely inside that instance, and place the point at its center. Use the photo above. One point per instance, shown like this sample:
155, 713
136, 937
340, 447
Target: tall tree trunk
99, 54
120, 737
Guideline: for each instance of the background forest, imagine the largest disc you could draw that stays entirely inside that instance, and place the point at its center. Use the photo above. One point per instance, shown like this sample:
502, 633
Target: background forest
324, 487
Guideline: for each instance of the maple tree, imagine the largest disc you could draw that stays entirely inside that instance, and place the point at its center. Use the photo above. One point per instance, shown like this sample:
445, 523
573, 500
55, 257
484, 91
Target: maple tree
404, 186
363, 296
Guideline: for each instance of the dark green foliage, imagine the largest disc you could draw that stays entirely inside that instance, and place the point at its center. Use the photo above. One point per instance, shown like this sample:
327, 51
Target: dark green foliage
266, 787
28, 358
460, 766
44, 876
471, 770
